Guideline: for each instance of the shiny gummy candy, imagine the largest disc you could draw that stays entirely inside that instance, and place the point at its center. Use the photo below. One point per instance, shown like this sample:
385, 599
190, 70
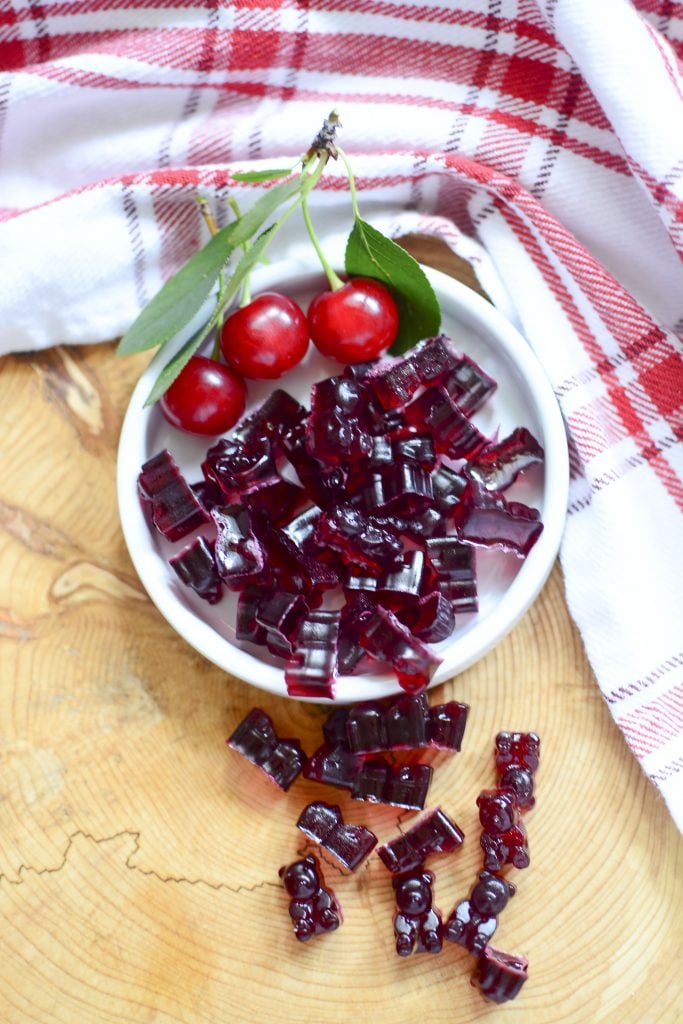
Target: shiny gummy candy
434, 833
417, 923
310, 672
255, 739
487, 519
474, 920
195, 566
499, 465
396, 487
389, 641
313, 908
240, 557
374, 780
517, 758
168, 502
503, 837
499, 976
348, 844
403, 723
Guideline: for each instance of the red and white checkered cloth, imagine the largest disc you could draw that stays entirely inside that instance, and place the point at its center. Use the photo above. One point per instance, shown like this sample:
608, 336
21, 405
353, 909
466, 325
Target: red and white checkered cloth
543, 139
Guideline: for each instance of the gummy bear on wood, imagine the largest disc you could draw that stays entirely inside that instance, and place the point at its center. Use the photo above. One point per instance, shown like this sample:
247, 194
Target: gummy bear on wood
139, 856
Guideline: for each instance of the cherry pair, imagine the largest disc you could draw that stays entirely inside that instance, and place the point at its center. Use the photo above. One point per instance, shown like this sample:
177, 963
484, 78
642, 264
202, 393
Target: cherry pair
266, 338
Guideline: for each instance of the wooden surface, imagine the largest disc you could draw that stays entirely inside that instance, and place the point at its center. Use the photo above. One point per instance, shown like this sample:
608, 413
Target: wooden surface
139, 857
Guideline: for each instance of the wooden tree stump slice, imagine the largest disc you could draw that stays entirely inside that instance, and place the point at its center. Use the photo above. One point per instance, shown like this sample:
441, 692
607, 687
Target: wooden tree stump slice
139, 856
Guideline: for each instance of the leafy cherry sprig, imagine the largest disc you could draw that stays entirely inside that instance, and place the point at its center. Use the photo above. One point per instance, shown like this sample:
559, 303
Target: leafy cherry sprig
368, 253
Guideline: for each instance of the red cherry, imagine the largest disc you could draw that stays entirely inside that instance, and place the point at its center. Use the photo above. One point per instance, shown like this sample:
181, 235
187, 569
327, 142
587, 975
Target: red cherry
265, 338
205, 398
355, 323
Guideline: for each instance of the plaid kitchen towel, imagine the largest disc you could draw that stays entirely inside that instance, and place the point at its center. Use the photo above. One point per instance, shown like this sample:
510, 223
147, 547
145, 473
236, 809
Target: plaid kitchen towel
543, 139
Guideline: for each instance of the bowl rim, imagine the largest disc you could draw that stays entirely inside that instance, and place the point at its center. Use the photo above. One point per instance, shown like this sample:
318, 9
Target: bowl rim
474, 311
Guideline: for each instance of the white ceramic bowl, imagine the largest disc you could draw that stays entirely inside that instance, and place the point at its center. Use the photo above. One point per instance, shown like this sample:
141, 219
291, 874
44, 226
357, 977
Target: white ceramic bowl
506, 585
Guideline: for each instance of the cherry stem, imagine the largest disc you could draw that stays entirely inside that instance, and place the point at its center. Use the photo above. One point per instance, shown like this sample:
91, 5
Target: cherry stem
246, 284
335, 281
309, 179
216, 350
207, 215
226, 289
213, 230
352, 182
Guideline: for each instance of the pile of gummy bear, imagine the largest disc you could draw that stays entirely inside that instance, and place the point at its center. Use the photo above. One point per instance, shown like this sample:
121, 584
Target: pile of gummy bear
347, 758
395, 488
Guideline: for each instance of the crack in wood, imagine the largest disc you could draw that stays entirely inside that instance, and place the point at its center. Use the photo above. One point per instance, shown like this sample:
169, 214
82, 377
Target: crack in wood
135, 836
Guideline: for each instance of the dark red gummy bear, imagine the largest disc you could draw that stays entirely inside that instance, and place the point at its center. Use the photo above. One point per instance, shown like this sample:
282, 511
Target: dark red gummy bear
503, 839
280, 614
280, 501
357, 538
485, 518
405, 723
500, 464
349, 844
333, 765
448, 485
246, 625
301, 528
455, 568
168, 502
468, 385
522, 748
294, 571
393, 587
374, 780
431, 619
415, 447
276, 418
454, 435
434, 833
447, 725
239, 469
417, 924
354, 614
517, 758
256, 739
388, 640
406, 786
196, 567
474, 921
401, 489
337, 428
499, 976
239, 555
312, 908
430, 360
311, 670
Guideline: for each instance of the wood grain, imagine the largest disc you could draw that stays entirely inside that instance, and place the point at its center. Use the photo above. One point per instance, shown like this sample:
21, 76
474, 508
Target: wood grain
139, 856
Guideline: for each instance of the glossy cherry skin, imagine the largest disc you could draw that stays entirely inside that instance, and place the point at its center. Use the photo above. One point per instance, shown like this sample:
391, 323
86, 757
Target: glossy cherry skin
354, 323
206, 398
266, 338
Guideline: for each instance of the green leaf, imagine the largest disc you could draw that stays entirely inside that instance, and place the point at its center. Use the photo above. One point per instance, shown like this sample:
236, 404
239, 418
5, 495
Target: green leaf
369, 253
271, 175
183, 295
179, 361
251, 257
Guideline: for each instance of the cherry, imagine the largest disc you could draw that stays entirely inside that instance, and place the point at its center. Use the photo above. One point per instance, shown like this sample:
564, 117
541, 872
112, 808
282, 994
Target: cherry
205, 398
265, 338
358, 321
